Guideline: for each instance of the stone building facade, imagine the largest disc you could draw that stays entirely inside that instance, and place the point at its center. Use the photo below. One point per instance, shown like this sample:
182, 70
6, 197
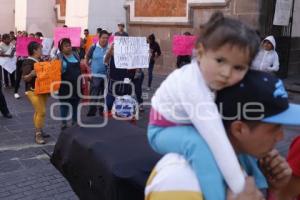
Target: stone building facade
166, 18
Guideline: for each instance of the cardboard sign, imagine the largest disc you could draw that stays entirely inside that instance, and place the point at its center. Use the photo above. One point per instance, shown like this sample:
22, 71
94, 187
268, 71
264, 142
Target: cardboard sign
73, 33
183, 45
47, 46
283, 12
131, 52
22, 45
48, 73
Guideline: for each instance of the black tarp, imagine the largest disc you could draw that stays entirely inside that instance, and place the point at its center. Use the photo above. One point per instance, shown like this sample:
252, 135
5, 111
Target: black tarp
109, 163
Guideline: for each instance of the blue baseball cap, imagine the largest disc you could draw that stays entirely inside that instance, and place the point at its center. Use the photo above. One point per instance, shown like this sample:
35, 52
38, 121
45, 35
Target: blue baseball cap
260, 96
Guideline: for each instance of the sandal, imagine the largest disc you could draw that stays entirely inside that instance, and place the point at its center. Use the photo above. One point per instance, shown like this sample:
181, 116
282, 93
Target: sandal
39, 138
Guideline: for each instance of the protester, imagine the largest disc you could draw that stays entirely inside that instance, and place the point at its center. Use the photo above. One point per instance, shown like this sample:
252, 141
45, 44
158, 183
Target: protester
3, 106
99, 31
138, 83
225, 49
12, 34
31, 35
20, 60
121, 31
155, 52
267, 58
95, 59
38, 35
86, 35
83, 45
6, 50
80, 50
38, 101
19, 33
186, 59
24, 34
68, 95
253, 133
119, 80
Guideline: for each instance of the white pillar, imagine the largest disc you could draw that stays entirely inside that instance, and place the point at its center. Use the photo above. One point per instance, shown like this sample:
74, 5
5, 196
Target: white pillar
77, 12
92, 14
35, 15
106, 14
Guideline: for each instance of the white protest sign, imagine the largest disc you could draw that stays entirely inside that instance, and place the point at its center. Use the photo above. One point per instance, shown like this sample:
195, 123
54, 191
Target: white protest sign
9, 64
283, 12
47, 46
131, 52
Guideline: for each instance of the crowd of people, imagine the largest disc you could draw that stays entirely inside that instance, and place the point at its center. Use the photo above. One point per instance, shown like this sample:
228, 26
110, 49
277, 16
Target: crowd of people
96, 61
185, 123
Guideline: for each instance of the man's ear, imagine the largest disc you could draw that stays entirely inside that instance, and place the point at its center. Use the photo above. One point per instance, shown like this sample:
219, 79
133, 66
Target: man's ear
200, 50
239, 129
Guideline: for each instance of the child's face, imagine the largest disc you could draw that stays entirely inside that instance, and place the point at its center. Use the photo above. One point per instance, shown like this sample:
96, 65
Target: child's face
267, 45
223, 67
257, 141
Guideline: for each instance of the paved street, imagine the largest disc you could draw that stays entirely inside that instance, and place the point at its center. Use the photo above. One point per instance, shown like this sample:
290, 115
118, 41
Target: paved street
25, 170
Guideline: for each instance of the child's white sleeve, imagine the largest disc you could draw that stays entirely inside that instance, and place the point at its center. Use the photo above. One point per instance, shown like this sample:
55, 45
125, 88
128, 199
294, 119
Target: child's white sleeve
206, 119
275, 66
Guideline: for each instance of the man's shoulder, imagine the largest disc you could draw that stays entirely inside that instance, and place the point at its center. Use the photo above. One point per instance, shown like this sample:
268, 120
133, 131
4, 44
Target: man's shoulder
173, 178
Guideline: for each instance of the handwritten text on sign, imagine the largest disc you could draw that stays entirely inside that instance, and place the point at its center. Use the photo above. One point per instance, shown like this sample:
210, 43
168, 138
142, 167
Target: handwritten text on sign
73, 33
22, 45
131, 52
48, 73
183, 45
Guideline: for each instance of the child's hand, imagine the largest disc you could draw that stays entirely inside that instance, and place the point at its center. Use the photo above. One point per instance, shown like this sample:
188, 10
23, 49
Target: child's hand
276, 169
250, 192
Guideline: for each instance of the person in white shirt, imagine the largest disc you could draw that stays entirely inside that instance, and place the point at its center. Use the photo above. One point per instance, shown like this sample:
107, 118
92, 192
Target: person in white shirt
267, 59
183, 107
7, 50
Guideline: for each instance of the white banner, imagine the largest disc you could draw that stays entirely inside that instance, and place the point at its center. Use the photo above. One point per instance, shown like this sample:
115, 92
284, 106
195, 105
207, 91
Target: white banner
9, 64
283, 12
47, 46
131, 52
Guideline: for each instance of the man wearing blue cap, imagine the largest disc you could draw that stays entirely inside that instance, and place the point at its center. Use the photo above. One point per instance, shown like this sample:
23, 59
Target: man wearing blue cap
253, 114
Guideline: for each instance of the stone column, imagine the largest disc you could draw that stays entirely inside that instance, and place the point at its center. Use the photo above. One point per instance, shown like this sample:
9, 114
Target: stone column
36, 15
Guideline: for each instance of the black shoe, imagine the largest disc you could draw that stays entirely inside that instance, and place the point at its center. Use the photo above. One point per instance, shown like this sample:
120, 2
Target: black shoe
101, 110
8, 116
45, 135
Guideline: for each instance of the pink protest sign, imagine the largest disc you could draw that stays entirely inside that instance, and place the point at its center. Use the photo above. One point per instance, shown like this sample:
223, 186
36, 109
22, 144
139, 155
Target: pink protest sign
111, 39
22, 44
73, 33
183, 45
